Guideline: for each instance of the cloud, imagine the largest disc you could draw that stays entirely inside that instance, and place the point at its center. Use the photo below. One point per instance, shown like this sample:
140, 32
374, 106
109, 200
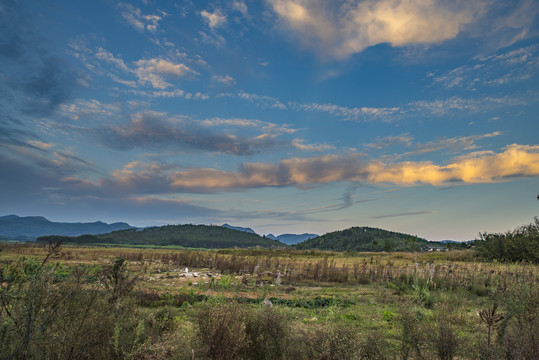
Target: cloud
214, 20
266, 127
387, 141
485, 167
460, 143
176, 93
90, 109
139, 21
104, 55
453, 104
226, 80
240, 6
154, 71
154, 130
409, 213
34, 81
493, 70
300, 144
515, 161
262, 100
347, 113
30, 186
425, 108
339, 29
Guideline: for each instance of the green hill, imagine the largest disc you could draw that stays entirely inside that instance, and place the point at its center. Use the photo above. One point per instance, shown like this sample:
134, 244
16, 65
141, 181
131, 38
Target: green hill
364, 239
193, 236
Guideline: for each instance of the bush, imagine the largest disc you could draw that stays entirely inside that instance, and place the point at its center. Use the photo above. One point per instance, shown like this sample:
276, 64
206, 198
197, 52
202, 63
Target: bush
373, 347
519, 331
267, 332
412, 334
521, 244
221, 329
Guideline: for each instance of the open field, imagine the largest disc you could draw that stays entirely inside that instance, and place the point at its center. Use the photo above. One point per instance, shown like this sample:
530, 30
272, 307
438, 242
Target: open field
98, 302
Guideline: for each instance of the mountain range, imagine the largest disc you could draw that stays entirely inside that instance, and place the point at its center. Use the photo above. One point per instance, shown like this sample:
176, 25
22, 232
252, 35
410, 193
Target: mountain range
289, 239
28, 228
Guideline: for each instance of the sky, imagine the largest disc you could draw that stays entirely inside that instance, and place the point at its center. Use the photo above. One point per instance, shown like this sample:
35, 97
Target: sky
286, 116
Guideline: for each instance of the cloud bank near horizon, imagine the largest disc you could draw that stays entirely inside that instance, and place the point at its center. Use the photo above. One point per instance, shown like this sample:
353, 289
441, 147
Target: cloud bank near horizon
477, 167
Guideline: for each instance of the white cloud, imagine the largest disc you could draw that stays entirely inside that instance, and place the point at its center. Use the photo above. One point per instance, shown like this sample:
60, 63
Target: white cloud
341, 28
176, 93
224, 79
300, 144
262, 100
214, 20
91, 108
240, 6
446, 106
155, 71
493, 70
267, 127
139, 21
386, 141
104, 55
347, 113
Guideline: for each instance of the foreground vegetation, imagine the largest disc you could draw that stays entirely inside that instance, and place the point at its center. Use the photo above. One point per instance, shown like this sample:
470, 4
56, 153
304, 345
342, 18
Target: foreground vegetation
122, 303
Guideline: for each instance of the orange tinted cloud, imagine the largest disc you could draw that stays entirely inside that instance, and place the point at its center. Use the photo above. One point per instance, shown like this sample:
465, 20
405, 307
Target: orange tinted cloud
480, 167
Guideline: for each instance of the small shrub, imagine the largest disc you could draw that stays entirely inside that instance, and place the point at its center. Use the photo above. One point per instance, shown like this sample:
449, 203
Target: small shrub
373, 347
412, 334
446, 341
267, 334
221, 329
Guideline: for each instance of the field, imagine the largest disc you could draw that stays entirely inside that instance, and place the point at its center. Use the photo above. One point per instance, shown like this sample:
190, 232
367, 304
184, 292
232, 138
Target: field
159, 303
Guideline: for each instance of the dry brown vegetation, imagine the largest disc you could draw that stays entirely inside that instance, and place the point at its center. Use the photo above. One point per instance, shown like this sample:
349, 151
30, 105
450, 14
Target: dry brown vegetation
96, 302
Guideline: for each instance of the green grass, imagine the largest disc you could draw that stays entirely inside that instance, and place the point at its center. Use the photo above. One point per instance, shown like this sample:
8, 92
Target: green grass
162, 312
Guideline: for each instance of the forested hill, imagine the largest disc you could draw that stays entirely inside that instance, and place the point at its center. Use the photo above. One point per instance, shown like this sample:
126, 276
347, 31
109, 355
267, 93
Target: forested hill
364, 239
193, 236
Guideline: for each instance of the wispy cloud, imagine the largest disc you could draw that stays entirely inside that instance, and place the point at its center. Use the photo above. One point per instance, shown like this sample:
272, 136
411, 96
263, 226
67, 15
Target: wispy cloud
156, 73
424, 108
409, 213
301, 145
493, 70
89, 109
262, 100
440, 107
455, 143
387, 141
347, 113
141, 22
152, 129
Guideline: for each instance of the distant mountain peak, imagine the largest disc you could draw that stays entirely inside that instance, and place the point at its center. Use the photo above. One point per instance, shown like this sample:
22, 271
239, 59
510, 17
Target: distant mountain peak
31, 227
291, 239
239, 228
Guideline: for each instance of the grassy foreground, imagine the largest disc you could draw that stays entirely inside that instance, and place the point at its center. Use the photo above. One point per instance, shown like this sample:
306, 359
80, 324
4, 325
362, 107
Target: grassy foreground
126, 303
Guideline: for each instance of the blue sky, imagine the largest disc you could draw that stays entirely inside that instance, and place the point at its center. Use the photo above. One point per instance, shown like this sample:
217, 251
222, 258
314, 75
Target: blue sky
295, 116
